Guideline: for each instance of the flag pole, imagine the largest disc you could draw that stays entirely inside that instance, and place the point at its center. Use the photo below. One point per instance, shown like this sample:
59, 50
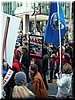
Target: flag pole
34, 19
59, 35
70, 20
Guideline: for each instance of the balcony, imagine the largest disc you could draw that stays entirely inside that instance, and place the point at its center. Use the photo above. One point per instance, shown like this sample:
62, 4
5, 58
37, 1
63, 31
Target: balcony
20, 11
23, 10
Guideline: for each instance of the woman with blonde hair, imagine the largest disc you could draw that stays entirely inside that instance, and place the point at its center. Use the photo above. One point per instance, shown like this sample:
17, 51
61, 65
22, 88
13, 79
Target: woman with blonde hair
64, 81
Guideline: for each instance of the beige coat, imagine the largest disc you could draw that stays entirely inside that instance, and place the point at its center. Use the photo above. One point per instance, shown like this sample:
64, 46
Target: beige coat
21, 92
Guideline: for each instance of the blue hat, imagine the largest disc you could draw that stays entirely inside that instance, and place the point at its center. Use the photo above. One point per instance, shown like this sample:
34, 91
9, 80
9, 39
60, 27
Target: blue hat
20, 78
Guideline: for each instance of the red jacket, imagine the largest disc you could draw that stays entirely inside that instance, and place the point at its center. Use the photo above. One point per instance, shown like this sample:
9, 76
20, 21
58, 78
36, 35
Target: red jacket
58, 57
16, 64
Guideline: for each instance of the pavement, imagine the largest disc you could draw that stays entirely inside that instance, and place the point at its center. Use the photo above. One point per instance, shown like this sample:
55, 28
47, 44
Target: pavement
52, 87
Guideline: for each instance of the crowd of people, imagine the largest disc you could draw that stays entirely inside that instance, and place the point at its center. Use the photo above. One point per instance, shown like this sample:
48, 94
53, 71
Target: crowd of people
29, 80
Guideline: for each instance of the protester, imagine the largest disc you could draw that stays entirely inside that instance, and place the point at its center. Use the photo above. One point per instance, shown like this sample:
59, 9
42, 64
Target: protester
15, 68
69, 49
4, 68
3, 93
19, 37
58, 59
17, 45
24, 59
37, 82
20, 91
15, 65
6, 81
68, 58
39, 64
29, 86
45, 69
52, 67
64, 80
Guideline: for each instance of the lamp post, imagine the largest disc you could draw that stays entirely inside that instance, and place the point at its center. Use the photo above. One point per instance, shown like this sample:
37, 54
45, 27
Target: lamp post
34, 20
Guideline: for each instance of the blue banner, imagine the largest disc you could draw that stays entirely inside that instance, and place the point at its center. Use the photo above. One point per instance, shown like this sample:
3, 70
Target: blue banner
51, 34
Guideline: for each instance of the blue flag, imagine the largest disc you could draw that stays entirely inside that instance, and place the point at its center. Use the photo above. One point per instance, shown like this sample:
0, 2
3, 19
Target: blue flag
51, 34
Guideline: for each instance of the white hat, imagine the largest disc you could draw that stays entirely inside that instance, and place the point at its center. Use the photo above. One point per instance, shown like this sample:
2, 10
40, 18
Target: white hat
17, 44
19, 49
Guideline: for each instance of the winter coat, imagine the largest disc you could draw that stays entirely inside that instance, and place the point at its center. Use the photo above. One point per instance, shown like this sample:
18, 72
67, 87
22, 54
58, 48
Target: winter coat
25, 59
39, 86
58, 57
52, 64
22, 92
16, 65
45, 63
64, 85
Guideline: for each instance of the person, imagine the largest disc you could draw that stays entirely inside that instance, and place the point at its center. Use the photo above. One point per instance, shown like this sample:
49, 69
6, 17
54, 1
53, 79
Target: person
24, 59
45, 69
17, 45
3, 94
20, 91
58, 60
37, 82
64, 81
39, 64
68, 58
52, 67
4, 68
16, 65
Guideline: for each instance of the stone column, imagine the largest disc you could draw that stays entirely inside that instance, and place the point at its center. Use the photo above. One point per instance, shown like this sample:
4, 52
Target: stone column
25, 24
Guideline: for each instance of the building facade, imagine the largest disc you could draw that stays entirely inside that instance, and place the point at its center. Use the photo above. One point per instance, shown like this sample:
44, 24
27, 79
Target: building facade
34, 15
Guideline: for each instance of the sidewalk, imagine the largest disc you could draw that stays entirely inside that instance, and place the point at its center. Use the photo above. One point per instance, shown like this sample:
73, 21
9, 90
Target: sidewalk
52, 87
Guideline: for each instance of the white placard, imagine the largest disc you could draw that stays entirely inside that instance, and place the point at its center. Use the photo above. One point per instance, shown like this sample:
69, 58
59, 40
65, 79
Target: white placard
11, 36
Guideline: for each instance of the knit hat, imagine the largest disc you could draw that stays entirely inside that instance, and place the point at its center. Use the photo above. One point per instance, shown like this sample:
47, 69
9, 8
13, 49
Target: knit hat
20, 78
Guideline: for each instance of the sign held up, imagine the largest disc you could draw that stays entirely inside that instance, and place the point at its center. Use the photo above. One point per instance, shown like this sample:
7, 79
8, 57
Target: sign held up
9, 30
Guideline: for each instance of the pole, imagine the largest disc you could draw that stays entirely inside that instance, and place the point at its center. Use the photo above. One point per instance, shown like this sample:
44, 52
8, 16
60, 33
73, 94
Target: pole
34, 20
59, 34
5, 36
70, 20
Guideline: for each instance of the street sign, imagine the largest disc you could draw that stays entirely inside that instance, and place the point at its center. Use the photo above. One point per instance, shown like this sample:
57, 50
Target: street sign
37, 10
